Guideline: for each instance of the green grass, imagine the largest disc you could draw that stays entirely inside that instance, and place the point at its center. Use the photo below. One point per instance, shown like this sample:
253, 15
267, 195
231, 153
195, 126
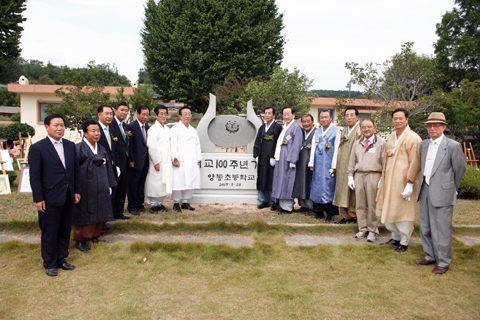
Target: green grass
269, 280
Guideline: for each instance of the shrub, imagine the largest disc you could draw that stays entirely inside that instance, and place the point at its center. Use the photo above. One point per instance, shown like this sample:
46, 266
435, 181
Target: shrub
470, 185
11, 131
16, 117
2, 134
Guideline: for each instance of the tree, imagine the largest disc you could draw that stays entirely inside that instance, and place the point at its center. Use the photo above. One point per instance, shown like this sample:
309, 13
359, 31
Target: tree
283, 89
10, 30
408, 80
462, 111
458, 46
191, 45
230, 95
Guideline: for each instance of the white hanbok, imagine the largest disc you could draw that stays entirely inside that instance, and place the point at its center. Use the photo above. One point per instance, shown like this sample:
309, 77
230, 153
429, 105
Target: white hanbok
158, 184
186, 148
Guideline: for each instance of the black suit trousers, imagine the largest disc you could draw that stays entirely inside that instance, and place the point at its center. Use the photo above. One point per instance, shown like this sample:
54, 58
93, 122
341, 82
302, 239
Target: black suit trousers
120, 194
55, 224
136, 187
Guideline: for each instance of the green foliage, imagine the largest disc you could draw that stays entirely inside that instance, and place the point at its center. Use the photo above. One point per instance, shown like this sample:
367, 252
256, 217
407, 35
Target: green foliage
11, 99
338, 93
37, 72
470, 185
191, 45
2, 131
16, 117
11, 131
231, 95
12, 175
408, 81
458, 45
143, 95
283, 89
10, 30
79, 104
462, 110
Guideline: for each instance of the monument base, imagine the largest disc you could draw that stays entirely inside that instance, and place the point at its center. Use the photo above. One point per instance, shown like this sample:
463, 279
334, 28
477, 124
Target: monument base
225, 197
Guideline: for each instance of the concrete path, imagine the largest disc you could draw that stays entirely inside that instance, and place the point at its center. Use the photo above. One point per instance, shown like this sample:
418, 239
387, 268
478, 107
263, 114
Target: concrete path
238, 241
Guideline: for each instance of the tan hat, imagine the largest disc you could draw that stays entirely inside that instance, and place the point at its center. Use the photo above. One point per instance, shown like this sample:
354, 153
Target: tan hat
436, 117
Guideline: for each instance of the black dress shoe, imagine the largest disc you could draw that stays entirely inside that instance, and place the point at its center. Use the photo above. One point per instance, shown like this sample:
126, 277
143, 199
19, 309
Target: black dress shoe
153, 210
176, 207
66, 266
187, 206
82, 246
263, 205
135, 212
282, 211
106, 227
142, 210
352, 221
401, 248
319, 215
51, 272
124, 217
96, 240
391, 242
328, 218
275, 207
343, 221
309, 213
162, 208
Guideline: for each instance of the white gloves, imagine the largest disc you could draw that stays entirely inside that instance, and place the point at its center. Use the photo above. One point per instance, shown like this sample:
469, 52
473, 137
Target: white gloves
272, 162
292, 165
110, 189
351, 183
256, 159
407, 192
331, 172
378, 186
118, 171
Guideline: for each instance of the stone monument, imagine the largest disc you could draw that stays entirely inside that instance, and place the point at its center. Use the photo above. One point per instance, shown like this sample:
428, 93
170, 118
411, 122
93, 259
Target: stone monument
227, 177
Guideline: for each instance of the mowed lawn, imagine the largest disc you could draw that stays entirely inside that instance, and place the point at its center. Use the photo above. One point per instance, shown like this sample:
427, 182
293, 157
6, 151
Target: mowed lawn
271, 280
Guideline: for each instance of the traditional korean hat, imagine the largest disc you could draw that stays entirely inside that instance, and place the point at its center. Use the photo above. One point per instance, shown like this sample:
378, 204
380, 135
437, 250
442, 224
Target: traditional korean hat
436, 117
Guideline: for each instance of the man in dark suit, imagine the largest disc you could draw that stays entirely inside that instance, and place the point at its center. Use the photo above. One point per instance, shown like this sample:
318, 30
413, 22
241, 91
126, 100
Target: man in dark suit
108, 140
443, 166
55, 182
119, 129
138, 157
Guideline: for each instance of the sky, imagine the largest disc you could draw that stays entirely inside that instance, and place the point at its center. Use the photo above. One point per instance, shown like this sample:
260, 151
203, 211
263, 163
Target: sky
321, 35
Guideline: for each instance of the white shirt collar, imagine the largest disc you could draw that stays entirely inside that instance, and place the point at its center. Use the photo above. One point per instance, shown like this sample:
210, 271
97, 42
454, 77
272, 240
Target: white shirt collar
102, 125
94, 149
118, 121
53, 140
350, 130
438, 140
329, 126
140, 124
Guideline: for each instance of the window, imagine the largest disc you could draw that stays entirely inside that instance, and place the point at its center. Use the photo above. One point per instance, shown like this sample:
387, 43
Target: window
41, 109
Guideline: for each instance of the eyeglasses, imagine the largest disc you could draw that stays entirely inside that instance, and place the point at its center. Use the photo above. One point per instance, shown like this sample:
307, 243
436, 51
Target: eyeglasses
435, 125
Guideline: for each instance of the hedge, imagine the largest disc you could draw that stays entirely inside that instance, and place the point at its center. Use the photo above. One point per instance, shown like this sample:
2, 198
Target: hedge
11, 131
470, 185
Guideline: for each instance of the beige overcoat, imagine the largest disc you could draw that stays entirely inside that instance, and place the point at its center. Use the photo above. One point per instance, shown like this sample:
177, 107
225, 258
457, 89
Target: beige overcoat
402, 163
344, 196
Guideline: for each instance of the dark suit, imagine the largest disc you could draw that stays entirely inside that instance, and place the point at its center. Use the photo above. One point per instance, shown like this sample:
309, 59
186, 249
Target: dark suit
56, 185
111, 151
437, 199
121, 146
138, 154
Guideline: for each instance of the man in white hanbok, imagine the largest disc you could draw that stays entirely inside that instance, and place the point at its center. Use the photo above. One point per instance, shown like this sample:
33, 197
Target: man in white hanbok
186, 155
158, 183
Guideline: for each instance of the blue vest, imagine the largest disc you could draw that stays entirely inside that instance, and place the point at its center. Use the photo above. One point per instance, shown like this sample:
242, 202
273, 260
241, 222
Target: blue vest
323, 184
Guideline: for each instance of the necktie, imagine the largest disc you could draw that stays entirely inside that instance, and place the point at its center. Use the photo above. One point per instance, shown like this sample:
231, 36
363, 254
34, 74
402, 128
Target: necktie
366, 143
429, 162
122, 131
59, 149
144, 133
107, 135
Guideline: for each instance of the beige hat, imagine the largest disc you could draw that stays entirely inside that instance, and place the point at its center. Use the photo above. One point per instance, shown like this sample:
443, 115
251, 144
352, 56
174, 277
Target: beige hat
436, 117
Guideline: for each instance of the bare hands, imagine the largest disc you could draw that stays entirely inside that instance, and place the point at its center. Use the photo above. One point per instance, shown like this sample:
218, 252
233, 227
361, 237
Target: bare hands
131, 164
77, 198
40, 206
334, 171
176, 163
311, 168
157, 167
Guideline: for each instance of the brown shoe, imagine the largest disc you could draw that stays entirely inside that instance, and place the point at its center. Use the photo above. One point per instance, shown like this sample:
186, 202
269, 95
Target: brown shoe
439, 270
425, 262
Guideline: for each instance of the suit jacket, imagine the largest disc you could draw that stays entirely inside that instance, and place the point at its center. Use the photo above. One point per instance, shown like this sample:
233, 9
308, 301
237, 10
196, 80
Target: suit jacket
111, 152
447, 172
137, 148
49, 179
121, 146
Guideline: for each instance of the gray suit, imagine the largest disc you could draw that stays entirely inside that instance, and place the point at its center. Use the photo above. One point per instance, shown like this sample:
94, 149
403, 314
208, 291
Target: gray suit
437, 199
